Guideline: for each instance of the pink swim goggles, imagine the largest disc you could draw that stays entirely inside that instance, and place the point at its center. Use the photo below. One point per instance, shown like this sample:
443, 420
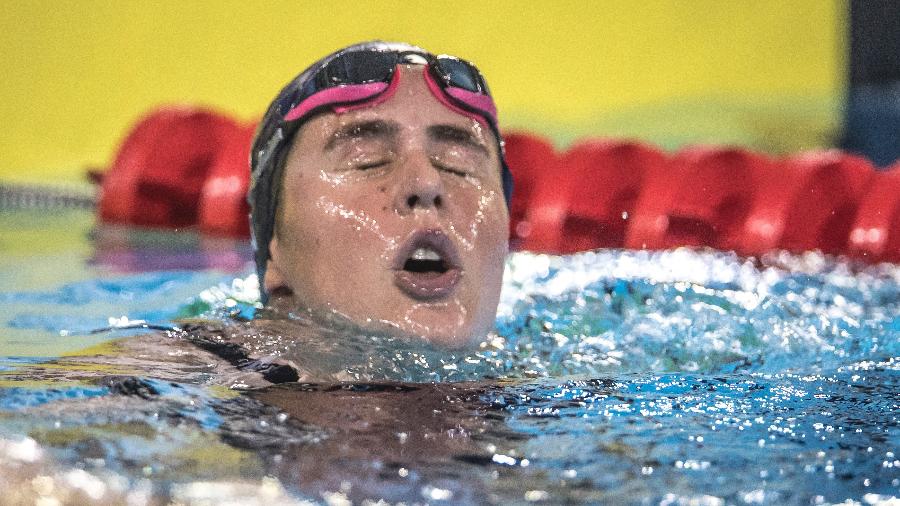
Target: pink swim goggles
357, 77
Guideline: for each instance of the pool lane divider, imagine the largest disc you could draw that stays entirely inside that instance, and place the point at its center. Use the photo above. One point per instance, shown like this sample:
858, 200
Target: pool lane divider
181, 167
188, 167
44, 198
604, 193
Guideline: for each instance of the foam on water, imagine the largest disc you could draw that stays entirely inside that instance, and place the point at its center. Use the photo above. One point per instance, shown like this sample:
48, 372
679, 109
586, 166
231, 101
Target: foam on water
613, 312
708, 312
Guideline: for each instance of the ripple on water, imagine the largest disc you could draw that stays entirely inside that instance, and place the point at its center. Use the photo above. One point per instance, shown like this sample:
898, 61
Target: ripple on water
675, 377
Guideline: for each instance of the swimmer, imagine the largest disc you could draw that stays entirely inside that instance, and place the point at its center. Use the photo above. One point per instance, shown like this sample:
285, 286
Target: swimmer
379, 195
379, 207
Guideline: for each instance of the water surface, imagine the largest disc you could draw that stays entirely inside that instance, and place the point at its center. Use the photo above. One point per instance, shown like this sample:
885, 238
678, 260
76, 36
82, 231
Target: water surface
680, 377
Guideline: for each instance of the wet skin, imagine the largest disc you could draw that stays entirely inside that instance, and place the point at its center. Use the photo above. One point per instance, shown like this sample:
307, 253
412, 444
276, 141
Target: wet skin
393, 217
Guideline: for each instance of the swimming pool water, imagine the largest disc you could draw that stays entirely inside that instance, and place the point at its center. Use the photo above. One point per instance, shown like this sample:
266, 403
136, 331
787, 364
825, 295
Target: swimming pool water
679, 377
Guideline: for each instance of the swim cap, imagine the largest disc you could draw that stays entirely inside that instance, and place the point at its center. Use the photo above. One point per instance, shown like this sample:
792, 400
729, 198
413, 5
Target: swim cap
463, 84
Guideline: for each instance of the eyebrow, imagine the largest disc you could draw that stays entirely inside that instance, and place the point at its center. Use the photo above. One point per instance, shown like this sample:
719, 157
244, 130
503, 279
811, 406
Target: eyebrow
375, 128
453, 133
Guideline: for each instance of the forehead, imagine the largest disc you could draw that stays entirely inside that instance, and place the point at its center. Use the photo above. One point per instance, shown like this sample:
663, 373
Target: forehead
412, 106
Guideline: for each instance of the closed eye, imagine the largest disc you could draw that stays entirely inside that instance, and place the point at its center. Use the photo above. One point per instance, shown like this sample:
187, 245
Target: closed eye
450, 170
372, 165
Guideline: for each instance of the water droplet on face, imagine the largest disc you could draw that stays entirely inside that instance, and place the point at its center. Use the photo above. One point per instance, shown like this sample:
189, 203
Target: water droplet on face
362, 222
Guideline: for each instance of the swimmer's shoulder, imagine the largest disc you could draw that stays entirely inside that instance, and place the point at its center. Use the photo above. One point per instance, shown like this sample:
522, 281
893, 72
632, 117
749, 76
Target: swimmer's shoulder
239, 344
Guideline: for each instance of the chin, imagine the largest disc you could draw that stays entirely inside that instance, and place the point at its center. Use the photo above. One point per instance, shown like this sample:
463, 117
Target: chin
445, 325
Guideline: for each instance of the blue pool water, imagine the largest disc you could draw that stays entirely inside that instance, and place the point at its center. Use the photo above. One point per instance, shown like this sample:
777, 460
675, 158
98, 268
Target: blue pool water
615, 377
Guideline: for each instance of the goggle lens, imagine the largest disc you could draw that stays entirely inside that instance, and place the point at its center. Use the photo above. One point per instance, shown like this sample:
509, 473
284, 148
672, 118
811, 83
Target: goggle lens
460, 74
358, 67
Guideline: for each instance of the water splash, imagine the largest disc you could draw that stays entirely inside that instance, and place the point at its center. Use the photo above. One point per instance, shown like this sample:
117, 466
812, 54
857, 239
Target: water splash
611, 312
678, 377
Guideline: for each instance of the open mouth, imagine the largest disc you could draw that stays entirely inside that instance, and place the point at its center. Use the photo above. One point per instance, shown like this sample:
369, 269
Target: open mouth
426, 260
427, 266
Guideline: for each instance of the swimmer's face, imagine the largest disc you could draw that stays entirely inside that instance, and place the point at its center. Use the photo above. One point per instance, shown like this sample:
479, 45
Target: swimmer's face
393, 215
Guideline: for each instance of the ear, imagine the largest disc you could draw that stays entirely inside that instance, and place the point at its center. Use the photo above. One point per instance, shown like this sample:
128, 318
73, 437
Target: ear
274, 281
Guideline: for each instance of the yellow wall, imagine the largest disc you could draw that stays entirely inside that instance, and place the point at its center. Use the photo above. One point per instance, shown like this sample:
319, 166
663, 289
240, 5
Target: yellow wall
76, 74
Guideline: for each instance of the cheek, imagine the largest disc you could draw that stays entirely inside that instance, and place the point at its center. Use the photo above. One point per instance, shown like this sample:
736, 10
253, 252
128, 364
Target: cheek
356, 225
481, 219
339, 251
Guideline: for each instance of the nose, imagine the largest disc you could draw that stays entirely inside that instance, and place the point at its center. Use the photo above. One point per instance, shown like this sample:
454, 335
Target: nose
421, 187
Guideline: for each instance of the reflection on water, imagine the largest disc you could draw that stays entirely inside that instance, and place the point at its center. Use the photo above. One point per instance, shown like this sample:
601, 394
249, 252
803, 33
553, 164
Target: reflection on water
729, 439
680, 377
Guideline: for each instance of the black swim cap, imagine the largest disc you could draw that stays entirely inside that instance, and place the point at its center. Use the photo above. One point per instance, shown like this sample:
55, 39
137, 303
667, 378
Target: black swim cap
272, 142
